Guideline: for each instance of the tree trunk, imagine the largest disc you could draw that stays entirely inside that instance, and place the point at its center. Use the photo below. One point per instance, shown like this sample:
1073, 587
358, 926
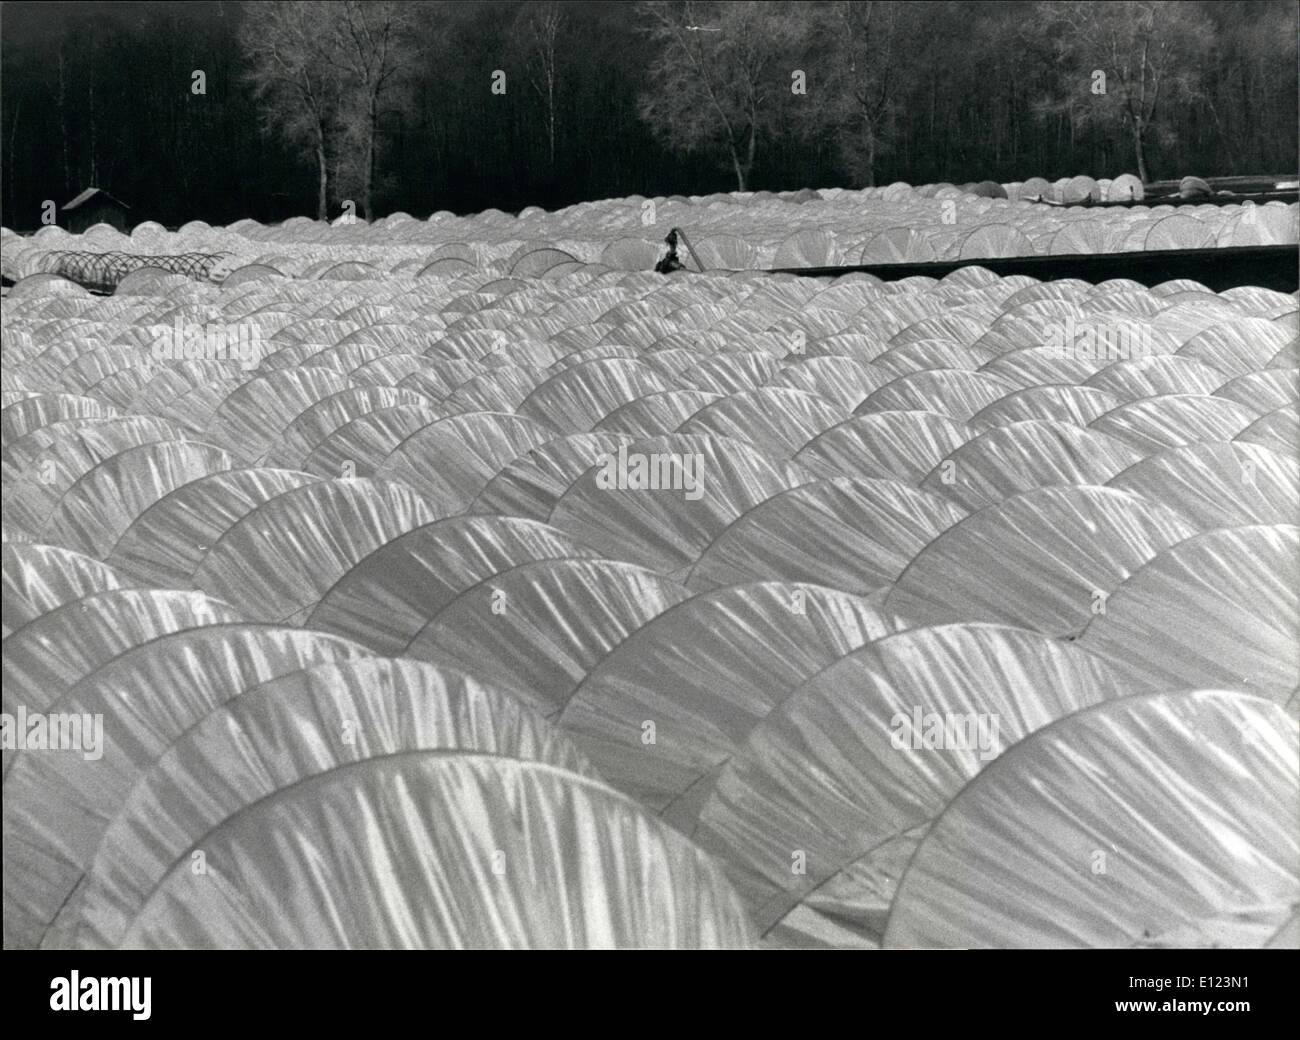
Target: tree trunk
90, 107
372, 121
869, 156
1246, 107
740, 171
13, 134
551, 127
63, 123
743, 170
322, 198
550, 107
1140, 153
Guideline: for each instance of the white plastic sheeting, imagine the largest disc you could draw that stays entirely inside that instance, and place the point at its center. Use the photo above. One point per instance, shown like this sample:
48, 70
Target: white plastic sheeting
57, 804
279, 733
838, 774
1042, 559
766, 638
1081, 836
432, 839
905, 500
39, 578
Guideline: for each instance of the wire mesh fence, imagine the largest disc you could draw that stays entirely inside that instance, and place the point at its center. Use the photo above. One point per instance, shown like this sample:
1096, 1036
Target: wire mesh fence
101, 272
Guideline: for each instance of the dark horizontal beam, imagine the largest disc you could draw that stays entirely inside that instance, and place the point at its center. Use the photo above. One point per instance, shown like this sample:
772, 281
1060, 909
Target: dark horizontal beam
1239, 182
1177, 200
1271, 267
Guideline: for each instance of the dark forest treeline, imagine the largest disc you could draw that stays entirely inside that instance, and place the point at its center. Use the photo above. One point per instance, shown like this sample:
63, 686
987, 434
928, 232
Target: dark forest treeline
104, 94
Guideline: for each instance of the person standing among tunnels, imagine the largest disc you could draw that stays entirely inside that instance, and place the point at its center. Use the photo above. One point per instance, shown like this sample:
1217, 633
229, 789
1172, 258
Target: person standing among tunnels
669, 261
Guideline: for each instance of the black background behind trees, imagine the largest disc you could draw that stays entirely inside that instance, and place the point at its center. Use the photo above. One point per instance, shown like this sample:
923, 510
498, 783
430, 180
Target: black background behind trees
100, 93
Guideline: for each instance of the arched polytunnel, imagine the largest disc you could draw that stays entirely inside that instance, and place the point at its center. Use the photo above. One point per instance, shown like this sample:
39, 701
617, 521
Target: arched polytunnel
813, 533
658, 891
1216, 609
59, 804
281, 557
537, 628
1104, 867
1044, 559
168, 539
841, 776
39, 578
512, 594
769, 636
40, 663
357, 709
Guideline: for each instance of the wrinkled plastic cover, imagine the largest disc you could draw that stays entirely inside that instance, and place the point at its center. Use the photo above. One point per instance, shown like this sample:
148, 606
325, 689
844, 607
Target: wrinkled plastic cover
390, 595
1081, 836
359, 447
765, 639
1038, 559
1055, 402
656, 414
532, 484
251, 417
778, 421
1219, 484
166, 543
1170, 420
1278, 430
843, 380
40, 578
94, 513
732, 371
450, 461
575, 399
34, 412
52, 652
325, 417
953, 392
275, 735
18, 455
1135, 378
1217, 610
278, 560
1025, 455
538, 628
833, 773
1246, 345
887, 445
816, 533
498, 389
37, 474
57, 804
663, 529
451, 851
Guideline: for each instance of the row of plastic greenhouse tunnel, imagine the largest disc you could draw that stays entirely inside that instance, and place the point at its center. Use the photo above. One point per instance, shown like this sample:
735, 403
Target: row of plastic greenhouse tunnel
585, 607
754, 231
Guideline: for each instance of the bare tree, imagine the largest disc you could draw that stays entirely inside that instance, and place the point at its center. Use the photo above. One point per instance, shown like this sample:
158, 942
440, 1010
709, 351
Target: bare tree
63, 115
297, 86
721, 73
1127, 61
374, 45
537, 29
863, 47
